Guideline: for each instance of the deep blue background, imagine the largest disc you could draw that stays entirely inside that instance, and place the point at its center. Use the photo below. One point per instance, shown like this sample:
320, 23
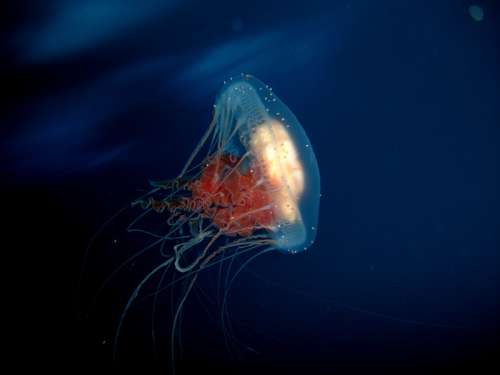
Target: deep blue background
401, 101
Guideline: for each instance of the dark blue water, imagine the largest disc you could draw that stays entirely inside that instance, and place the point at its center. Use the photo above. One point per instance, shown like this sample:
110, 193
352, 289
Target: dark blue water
401, 103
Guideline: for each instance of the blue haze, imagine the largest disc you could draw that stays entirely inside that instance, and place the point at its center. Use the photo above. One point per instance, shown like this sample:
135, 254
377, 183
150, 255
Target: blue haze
400, 100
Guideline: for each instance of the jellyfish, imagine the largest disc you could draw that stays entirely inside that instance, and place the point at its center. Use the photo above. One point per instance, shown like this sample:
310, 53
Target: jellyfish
251, 186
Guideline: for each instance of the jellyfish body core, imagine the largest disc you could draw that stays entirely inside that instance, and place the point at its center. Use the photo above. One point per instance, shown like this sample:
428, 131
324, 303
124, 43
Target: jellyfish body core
262, 173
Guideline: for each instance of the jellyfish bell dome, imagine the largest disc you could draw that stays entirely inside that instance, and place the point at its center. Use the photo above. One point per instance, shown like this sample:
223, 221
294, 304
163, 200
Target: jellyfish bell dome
254, 121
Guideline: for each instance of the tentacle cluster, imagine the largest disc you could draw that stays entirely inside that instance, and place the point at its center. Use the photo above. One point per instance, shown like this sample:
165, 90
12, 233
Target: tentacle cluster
236, 200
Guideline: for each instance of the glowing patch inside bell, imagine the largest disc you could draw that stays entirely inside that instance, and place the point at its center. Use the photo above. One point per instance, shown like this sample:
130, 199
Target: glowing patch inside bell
275, 150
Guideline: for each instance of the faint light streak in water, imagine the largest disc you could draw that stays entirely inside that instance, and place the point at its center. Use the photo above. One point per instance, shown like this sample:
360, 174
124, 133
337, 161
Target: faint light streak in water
274, 53
74, 26
62, 143
62, 135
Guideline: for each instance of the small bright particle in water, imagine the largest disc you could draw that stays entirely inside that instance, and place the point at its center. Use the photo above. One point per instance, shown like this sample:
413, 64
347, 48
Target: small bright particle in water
476, 12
